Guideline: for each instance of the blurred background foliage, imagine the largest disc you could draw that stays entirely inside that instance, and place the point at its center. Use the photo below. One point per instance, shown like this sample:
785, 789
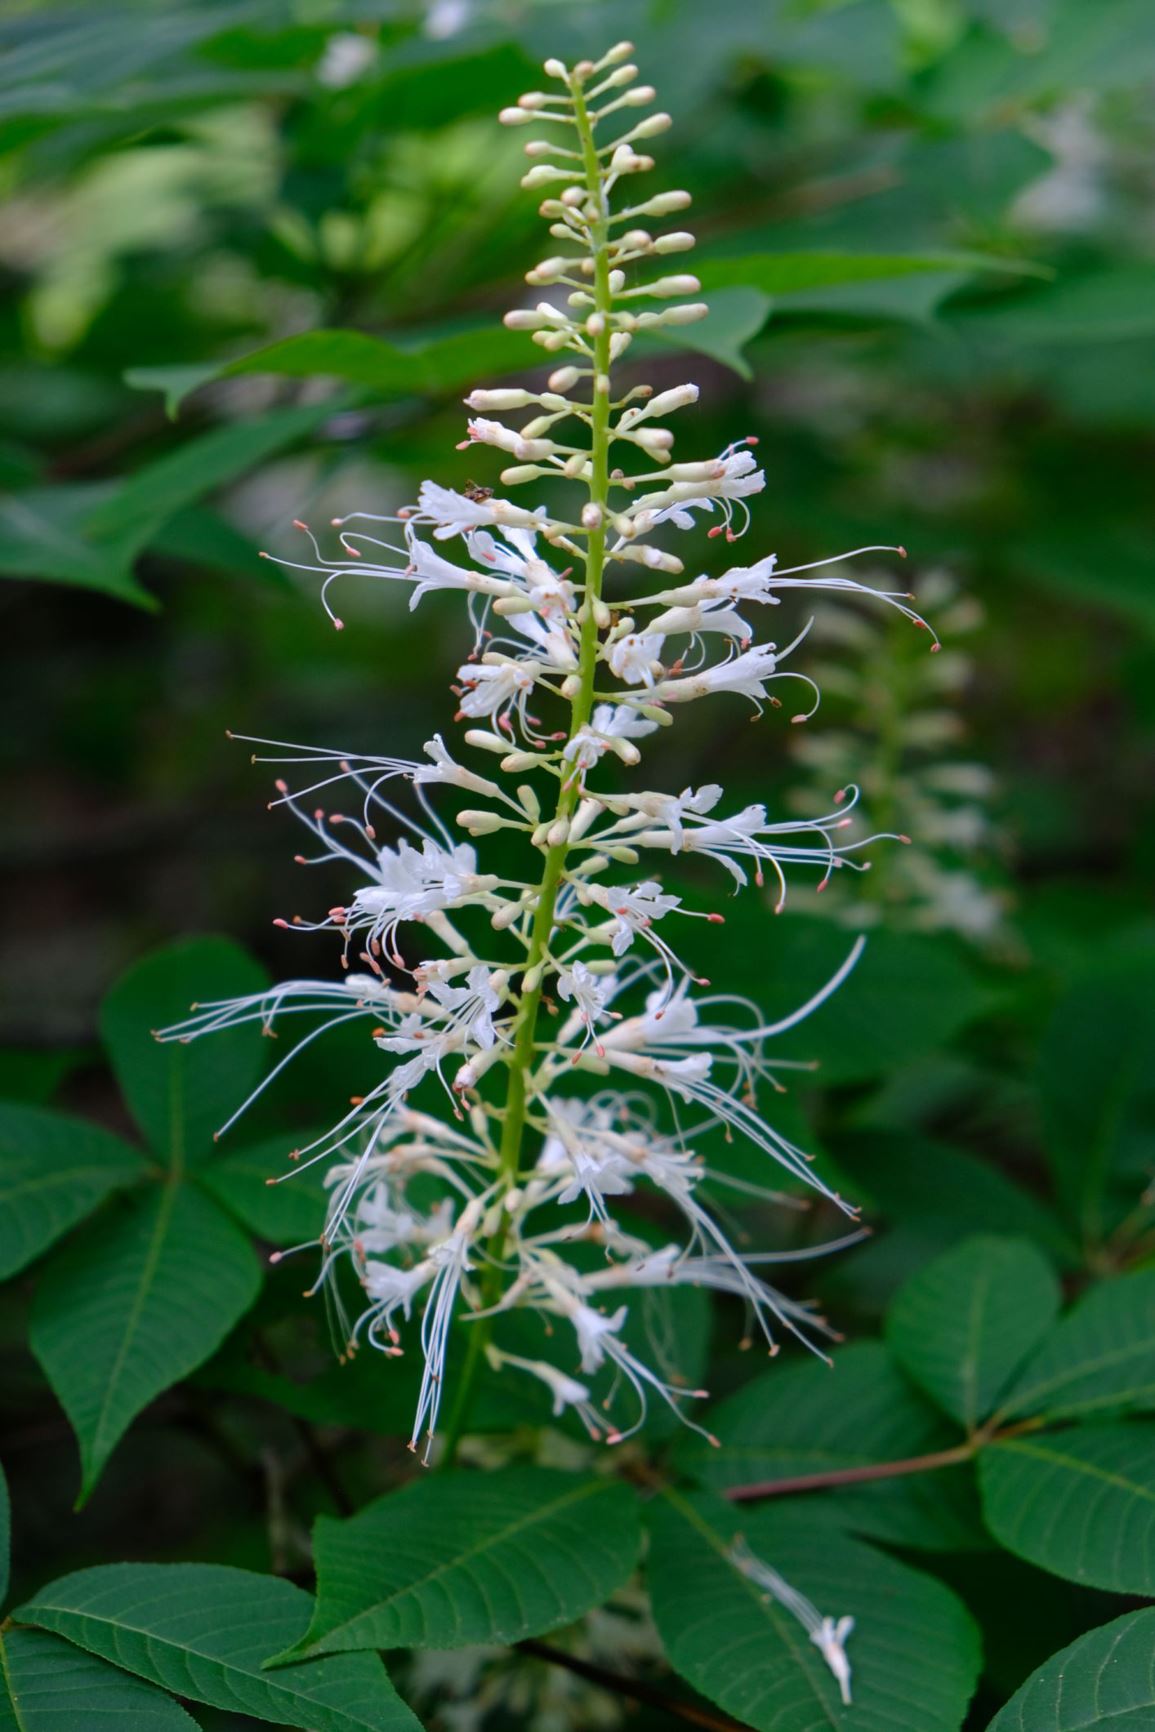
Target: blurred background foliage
252, 254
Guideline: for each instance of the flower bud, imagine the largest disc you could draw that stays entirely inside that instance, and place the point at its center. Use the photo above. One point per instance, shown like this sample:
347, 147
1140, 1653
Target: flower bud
485, 741
688, 314
522, 319
655, 442
555, 69
665, 403
639, 97
534, 99
499, 400
652, 125
664, 204
620, 51
668, 287
514, 117
591, 516
480, 823
653, 558
519, 473
680, 241
548, 271
564, 379
544, 172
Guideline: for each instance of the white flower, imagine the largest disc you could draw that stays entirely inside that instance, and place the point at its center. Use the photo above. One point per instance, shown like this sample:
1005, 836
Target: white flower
492, 687
633, 910
592, 1328
411, 884
518, 558
452, 513
612, 727
703, 616
828, 1635
746, 673
637, 658
585, 990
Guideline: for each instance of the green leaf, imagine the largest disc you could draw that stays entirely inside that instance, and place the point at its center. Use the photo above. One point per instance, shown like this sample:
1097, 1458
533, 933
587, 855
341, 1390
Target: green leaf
1080, 1503
1102, 306
459, 1558
123, 1313
1099, 1359
914, 1652
54, 1171
902, 286
925, 1185
91, 536
415, 368
291, 1212
907, 996
806, 1419
204, 1631
180, 1092
962, 1326
47, 1685
130, 516
1105, 1678
1097, 1087
42, 536
735, 318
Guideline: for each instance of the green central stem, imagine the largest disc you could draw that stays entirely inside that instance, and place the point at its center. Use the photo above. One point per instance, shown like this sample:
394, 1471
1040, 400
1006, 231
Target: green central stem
581, 706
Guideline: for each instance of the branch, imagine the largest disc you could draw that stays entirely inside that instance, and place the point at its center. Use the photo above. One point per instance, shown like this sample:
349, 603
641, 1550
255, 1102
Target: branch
646, 1695
852, 1475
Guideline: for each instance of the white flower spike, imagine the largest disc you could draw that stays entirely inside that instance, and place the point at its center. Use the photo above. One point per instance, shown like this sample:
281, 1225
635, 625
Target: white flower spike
541, 1063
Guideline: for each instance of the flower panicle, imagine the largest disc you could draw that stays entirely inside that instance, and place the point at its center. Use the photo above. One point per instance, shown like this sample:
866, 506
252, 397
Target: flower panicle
544, 1054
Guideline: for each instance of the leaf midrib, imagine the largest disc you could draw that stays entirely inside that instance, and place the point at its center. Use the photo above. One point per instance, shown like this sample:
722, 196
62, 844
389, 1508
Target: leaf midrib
60, 1176
972, 1344
225, 1667
1078, 1464
143, 1287
538, 1514
1072, 1374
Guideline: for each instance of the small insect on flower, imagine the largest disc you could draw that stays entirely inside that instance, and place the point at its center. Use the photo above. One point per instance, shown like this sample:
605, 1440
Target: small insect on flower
545, 1074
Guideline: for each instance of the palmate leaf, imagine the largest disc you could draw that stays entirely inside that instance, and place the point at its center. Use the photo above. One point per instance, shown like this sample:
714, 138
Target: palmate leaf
47, 1685
1099, 1359
914, 1652
809, 1418
1106, 1678
181, 1093
468, 1557
123, 1313
1080, 1502
204, 1632
963, 1325
289, 1213
54, 1170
